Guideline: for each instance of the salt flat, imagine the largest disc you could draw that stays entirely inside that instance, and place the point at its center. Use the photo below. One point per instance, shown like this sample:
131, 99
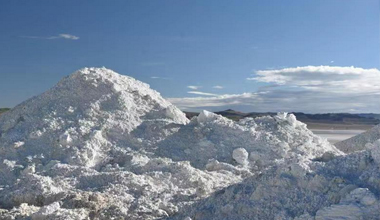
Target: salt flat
334, 136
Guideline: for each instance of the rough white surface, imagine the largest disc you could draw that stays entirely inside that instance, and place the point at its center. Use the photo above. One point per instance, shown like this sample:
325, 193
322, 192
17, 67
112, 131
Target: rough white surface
100, 145
346, 187
77, 120
240, 155
358, 142
360, 203
268, 140
89, 138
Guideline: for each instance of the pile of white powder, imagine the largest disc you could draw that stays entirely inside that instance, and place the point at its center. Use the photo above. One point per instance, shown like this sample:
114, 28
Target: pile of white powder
100, 145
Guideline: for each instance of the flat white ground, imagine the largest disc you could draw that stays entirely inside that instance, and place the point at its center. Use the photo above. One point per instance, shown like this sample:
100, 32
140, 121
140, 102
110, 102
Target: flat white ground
334, 136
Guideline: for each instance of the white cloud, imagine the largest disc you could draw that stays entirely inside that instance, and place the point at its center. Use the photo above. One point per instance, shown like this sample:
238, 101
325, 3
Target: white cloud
308, 89
324, 78
275, 101
60, 36
218, 87
201, 93
332, 61
194, 87
67, 36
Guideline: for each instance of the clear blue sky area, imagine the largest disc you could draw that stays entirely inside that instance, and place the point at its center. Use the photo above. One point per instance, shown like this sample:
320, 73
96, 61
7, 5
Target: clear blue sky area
180, 43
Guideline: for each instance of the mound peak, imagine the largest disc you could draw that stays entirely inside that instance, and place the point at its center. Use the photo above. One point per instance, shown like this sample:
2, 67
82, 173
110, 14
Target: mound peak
79, 119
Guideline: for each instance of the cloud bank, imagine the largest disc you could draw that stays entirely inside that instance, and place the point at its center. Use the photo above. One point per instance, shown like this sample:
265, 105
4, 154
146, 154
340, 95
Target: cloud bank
202, 93
324, 78
308, 89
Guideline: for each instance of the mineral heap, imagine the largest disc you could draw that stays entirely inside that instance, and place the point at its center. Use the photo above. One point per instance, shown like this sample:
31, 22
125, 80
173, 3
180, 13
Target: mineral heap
100, 145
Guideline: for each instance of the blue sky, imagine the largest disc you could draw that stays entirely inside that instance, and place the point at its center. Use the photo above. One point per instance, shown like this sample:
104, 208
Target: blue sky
215, 47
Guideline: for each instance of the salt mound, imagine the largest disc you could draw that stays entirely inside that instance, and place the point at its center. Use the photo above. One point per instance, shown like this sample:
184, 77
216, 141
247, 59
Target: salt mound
346, 187
268, 140
86, 149
338, 187
357, 143
80, 138
99, 145
77, 120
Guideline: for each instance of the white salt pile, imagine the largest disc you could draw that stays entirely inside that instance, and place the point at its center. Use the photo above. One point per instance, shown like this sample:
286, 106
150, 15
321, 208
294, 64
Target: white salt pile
346, 187
356, 143
267, 140
100, 145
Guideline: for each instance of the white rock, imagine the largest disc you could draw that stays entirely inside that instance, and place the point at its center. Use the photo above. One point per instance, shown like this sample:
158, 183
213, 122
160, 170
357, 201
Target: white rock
65, 139
240, 155
18, 144
206, 116
375, 151
45, 211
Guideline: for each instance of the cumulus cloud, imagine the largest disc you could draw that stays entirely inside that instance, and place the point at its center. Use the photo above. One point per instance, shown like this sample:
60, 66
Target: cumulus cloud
324, 78
308, 89
60, 36
218, 87
201, 93
193, 87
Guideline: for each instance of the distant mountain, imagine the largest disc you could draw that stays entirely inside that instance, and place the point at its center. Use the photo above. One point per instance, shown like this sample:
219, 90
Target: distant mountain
370, 115
327, 118
232, 114
337, 118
